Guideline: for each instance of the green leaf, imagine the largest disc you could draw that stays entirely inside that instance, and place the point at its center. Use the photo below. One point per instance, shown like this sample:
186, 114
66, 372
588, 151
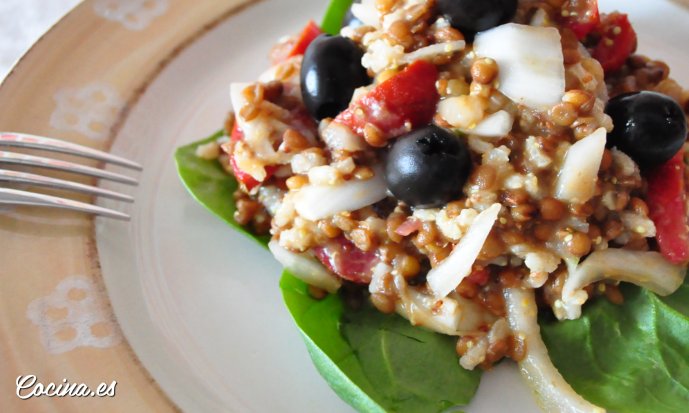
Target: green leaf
332, 21
628, 358
345, 346
319, 323
377, 362
210, 185
415, 369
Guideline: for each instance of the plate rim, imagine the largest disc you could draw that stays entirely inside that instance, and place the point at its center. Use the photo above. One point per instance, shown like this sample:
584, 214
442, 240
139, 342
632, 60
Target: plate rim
20, 71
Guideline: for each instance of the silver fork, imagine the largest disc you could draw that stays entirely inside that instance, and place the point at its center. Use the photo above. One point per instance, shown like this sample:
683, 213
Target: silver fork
10, 196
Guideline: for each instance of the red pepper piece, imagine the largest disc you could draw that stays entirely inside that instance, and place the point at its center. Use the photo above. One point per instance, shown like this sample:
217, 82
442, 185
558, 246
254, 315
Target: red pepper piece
479, 276
296, 46
343, 258
307, 35
399, 104
581, 16
618, 41
667, 208
243, 177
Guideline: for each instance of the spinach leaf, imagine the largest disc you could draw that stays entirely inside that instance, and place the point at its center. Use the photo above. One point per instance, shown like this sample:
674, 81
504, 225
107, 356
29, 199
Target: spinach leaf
210, 185
376, 363
415, 369
332, 21
319, 323
628, 358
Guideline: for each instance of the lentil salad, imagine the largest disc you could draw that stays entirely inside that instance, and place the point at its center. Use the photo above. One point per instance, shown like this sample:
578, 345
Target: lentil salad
513, 193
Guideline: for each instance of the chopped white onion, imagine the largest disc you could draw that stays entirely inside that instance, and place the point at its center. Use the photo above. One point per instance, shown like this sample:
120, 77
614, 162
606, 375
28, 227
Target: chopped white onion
271, 197
339, 137
554, 394
495, 125
434, 50
451, 271
305, 267
238, 100
477, 353
540, 18
464, 111
576, 181
256, 131
530, 62
647, 269
315, 202
453, 316
366, 12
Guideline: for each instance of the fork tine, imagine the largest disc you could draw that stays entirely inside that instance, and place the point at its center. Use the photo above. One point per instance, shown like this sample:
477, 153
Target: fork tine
16, 197
22, 140
30, 160
44, 181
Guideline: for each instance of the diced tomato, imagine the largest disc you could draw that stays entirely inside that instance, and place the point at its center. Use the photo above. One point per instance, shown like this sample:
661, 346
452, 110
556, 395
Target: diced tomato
296, 46
243, 177
618, 41
479, 276
403, 102
343, 258
581, 16
667, 206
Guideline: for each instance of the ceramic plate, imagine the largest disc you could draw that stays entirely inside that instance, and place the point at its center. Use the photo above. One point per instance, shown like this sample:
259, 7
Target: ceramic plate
197, 303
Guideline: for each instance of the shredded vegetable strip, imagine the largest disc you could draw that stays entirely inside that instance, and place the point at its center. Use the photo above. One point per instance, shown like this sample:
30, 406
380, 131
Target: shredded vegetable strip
554, 394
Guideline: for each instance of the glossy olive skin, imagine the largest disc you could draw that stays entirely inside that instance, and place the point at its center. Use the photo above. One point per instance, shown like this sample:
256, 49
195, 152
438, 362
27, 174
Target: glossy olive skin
330, 72
428, 167
473, 16
649, 127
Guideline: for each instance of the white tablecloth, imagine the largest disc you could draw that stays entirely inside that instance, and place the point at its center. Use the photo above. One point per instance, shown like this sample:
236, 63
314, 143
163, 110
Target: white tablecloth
22, 22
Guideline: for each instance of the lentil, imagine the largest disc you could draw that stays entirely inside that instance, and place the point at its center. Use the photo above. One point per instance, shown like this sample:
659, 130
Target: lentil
484, 70
580, 100
374, 136
401, 34
614, 295
383, 303
296, 182
579, 244
563, 114
552, 209
523, 213
406, 265
639, 206
543, 232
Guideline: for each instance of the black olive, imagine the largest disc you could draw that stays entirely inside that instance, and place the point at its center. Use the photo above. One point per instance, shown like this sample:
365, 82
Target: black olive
428, 167
473, 16
350, 19
330, 72
649, 127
